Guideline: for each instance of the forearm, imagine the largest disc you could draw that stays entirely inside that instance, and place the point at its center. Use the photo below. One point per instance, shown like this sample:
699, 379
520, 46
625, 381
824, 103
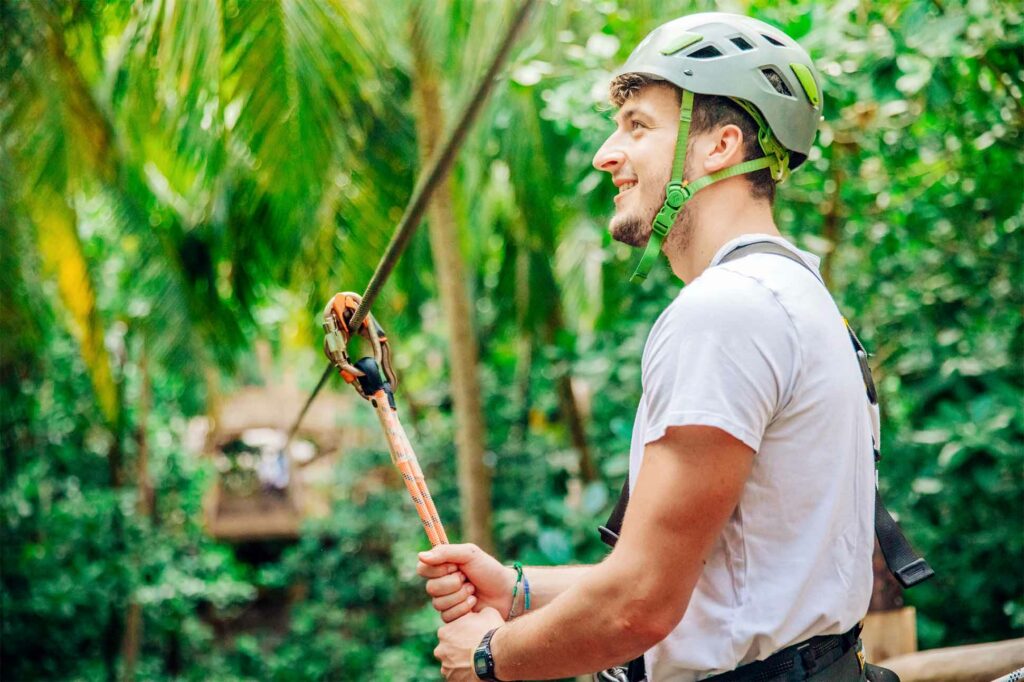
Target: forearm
590, 626
547, 582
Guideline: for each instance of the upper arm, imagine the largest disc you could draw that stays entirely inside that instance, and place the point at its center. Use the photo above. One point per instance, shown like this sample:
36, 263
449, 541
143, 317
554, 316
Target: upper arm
688, 486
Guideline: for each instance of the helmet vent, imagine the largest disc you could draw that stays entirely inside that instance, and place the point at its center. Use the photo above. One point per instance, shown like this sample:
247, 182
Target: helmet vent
741, 43
776, 81
773, 41
706, 53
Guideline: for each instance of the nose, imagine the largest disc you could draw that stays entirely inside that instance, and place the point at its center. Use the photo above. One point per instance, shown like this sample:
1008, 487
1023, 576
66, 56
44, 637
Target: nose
610, 156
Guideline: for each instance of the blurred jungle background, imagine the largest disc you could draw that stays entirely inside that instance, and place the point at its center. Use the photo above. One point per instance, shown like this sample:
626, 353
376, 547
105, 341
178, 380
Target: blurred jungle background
183, 185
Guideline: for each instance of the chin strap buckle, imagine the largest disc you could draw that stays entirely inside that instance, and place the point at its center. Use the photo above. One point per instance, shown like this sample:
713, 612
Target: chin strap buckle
676, 194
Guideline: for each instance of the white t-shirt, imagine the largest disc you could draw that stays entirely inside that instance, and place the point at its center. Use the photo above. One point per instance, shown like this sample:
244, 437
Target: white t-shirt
757, 348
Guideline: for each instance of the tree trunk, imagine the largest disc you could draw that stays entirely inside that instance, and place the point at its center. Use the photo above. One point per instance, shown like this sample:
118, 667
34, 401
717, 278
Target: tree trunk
132, 642
568, 404
524, 350
831, 229
474, 475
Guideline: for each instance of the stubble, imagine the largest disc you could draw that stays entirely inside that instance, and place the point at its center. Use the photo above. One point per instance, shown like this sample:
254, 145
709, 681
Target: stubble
635, 231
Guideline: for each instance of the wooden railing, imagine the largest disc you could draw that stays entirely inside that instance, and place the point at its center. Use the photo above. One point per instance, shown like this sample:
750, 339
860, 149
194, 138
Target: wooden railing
971, 663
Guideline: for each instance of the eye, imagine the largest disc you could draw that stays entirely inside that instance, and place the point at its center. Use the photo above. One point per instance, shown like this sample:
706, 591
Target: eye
634, 124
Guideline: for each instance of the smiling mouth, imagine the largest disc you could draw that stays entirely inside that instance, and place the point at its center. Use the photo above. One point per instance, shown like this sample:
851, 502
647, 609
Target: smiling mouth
624, 188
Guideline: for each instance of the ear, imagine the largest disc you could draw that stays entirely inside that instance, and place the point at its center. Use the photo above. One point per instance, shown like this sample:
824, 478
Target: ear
726, 148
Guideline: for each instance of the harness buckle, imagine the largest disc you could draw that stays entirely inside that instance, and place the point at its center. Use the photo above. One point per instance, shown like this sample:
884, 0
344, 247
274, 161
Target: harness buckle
807, 658
676, 194
913, 573
664, 220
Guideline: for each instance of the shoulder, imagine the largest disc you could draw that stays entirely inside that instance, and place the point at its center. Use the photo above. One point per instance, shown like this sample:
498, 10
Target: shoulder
729, 300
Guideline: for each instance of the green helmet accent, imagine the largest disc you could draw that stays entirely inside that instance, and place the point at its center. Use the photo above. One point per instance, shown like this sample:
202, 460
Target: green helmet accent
758, 66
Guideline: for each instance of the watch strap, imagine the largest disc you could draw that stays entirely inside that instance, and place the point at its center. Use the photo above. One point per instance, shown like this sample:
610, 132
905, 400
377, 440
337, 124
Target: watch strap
483, 660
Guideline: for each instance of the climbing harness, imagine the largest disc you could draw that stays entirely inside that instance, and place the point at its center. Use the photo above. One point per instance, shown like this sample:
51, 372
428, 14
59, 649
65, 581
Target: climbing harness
905, 565
374, 379
435, 172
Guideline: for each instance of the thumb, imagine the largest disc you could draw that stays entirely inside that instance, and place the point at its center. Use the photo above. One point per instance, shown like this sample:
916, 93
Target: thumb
455, 554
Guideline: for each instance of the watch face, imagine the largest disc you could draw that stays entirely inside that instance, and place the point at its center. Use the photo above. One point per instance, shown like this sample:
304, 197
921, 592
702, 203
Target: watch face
480, 663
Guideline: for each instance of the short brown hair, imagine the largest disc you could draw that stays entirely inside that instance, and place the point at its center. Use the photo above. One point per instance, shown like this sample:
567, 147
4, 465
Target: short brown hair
709, 111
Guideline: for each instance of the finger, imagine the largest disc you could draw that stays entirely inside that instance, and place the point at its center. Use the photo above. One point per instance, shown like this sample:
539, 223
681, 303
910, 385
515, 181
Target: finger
429, 571
449, 600
459, 610
439, 587
456, 554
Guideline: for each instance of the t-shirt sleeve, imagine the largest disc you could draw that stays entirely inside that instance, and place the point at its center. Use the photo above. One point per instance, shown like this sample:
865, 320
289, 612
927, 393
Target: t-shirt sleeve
724, 355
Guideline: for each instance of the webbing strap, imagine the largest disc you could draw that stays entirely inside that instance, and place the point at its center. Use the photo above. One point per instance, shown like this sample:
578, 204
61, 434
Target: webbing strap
900, 558
685, 118
677, 193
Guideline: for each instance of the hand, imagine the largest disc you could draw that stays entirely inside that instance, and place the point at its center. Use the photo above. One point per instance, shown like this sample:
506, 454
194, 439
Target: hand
447, 567
457, 641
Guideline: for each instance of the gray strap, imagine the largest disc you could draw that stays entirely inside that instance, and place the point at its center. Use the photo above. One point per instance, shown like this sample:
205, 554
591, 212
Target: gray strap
772, 248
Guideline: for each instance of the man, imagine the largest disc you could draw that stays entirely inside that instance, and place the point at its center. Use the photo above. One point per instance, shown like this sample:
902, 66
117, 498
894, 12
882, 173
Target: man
749, 524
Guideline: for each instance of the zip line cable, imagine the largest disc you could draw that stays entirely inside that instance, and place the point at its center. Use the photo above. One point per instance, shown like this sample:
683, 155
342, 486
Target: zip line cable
432, 176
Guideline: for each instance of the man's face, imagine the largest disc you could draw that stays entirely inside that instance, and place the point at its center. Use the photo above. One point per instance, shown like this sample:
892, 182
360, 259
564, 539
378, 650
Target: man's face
638, 155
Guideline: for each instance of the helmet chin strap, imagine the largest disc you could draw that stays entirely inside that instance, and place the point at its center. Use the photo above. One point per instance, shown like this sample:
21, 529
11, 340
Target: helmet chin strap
678, 191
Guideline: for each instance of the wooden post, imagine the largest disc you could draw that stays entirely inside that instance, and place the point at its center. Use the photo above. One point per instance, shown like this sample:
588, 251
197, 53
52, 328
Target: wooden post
890, 628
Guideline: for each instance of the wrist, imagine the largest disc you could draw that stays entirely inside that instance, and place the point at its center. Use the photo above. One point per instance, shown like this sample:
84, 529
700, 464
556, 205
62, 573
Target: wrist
512, 577
483, 658
498, 634
520, 593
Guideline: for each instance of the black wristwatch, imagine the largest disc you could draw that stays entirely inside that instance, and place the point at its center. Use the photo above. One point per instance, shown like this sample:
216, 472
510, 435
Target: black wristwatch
483, 661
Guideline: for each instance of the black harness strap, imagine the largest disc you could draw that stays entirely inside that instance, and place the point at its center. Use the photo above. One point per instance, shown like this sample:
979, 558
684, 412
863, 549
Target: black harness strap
610, 530
903, 562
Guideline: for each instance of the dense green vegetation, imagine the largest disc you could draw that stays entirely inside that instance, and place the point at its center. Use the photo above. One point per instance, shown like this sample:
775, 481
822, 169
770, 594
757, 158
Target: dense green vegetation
179, 180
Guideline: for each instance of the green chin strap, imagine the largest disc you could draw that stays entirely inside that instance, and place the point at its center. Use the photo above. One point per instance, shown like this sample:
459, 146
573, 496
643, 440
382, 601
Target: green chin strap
678, 191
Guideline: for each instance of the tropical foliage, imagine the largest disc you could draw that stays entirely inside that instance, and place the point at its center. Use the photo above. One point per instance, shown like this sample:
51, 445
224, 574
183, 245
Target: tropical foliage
181, 179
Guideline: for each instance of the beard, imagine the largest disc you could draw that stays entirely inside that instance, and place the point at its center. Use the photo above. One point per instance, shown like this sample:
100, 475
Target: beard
635, 231
631, 230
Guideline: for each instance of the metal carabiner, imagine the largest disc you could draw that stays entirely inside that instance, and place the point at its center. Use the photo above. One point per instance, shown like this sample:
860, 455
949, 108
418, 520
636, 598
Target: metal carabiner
337, 334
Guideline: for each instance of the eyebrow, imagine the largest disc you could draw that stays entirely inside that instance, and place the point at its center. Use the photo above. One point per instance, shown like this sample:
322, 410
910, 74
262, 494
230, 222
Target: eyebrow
630, 111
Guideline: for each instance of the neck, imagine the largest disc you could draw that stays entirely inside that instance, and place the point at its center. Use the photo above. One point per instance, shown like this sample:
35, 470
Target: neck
716, 215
